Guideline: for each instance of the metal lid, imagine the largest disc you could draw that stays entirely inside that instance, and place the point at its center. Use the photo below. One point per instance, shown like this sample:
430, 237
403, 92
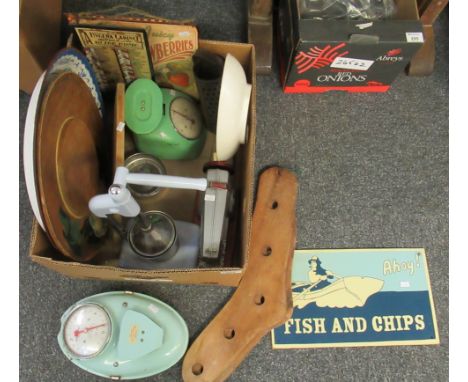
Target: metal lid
159, 241
144, 164
143, 106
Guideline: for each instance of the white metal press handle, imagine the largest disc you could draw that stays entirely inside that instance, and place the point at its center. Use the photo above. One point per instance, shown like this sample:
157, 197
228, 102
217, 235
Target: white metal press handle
118, 200
167, 181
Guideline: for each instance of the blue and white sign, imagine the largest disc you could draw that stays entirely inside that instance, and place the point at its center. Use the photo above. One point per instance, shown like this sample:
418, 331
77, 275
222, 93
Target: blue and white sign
359, 297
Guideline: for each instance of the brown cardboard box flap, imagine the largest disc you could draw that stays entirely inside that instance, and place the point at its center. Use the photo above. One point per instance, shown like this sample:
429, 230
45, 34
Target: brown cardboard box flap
39, 38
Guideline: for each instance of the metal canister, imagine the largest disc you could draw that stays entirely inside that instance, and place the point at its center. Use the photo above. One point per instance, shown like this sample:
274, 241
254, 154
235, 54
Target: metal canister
154, 236
145, 164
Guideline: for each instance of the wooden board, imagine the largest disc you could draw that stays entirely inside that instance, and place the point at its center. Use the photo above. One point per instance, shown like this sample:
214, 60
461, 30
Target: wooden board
263, 299
119, 127
422, 63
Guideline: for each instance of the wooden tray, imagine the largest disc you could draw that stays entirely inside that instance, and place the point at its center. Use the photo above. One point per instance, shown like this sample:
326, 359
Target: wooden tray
68, 137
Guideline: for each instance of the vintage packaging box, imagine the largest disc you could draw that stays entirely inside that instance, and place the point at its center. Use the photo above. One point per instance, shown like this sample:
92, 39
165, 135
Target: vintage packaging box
116, 55
316, 56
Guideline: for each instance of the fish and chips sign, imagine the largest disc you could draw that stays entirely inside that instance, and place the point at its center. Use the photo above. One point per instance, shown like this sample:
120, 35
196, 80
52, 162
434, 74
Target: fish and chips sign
359, 297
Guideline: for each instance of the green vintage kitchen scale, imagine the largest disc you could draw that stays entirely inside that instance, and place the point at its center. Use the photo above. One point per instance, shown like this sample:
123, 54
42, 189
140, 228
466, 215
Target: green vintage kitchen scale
123, 335
166, 123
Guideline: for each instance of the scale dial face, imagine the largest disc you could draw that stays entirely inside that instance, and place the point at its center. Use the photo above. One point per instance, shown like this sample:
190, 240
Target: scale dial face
87, 330
186, 118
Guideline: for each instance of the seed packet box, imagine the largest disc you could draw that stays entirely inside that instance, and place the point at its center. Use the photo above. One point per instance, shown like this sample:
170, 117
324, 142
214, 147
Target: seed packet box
317, 56
42, 252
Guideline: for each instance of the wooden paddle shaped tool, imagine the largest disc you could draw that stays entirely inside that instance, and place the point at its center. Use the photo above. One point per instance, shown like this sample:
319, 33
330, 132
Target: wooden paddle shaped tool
263, 299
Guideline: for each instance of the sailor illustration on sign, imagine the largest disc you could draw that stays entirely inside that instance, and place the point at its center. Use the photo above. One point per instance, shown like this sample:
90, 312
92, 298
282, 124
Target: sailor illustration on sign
344, 292
318, 276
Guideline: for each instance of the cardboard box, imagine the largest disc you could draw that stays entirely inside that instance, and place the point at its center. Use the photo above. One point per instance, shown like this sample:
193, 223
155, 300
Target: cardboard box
348, 55
42, 252
39, 39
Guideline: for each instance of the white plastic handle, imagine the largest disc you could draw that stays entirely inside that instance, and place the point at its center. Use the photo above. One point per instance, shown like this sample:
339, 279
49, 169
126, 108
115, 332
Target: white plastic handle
118, 200
167, 181
107, 204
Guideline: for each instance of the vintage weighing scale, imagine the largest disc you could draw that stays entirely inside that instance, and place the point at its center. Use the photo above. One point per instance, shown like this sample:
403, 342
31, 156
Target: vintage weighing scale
166, 123
122, 335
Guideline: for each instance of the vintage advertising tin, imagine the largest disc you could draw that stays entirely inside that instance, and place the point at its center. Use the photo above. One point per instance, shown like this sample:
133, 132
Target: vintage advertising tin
172, 44
120, 55
359, 297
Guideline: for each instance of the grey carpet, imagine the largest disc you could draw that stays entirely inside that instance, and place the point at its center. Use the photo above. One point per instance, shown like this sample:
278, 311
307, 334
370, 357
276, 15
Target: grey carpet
373, 171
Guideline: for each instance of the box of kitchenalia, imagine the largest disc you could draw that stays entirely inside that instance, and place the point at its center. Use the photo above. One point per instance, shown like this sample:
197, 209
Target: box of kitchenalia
335, 45
195, 223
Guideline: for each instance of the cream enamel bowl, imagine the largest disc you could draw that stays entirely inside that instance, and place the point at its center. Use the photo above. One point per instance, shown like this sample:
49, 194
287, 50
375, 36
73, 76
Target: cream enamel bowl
233, 109
28, 150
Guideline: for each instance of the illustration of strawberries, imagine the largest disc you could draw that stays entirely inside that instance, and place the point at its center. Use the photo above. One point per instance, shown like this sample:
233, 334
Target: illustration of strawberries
179, 79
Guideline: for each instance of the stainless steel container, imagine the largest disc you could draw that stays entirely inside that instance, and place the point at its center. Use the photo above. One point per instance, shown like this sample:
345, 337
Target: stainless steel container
145, 164
154, 236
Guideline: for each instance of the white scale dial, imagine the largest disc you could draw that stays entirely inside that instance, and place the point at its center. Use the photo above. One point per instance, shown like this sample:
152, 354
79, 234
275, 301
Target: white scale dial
87, 330
186, 118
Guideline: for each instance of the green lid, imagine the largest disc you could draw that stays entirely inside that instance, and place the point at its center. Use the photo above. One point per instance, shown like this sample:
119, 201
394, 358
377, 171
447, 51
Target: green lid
143, 106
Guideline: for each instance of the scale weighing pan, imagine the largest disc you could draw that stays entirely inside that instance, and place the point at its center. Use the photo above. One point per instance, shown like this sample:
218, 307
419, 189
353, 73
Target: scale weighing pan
233, 109
123, 335
68, 135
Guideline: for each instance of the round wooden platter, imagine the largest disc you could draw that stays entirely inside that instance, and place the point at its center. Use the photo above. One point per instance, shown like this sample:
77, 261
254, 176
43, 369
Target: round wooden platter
68, 137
